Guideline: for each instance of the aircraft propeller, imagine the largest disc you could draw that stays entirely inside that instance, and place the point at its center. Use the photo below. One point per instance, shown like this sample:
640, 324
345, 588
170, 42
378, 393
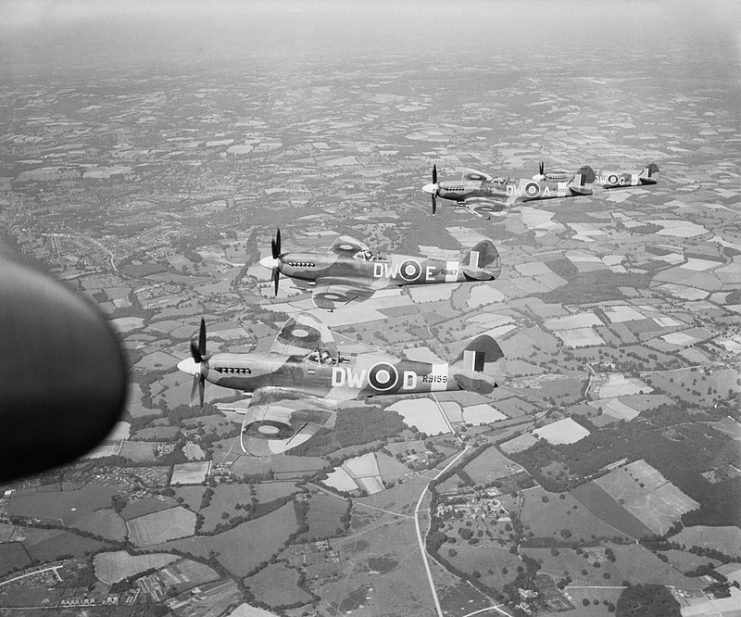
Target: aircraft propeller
434, 194
275, 247
194, 364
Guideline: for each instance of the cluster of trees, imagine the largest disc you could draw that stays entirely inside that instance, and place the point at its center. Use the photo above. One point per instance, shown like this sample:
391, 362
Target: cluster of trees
647, 601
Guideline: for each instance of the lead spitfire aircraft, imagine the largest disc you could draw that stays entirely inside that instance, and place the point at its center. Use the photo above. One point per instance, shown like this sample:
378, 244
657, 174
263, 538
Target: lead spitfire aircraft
484, 195
349, 271
298, 385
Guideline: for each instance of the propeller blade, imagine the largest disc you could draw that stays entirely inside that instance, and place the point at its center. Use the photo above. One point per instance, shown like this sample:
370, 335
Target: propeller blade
541, 167
275, 245
434, 204
434, 174
197, 356
202, 338
276, 279
201, 388
196, 379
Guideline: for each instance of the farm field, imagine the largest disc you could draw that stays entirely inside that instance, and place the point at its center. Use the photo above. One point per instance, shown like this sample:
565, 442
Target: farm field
13, 557
225, 499
490, 465
277, 585
147, 505
604, 507
371, 571
724, 539
391, 469
563, 431
65, 506
186, 573
601, 594
495, 563
51, 544
646, 494
105, 523
265, 492
191, 496
159, 527
558, 516
632, 563
685, 561
115, 566
242, 548
422, 413
323, 517
194, 472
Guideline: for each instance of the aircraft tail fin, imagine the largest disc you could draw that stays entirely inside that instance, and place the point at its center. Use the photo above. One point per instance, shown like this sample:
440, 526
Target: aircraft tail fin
478, 368
482, 262
646, 175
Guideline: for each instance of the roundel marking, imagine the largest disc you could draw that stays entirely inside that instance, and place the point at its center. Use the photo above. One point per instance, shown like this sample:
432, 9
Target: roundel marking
347, 247
268, 429
613, 179
299, 333
410, 270
623, 180
532, 189
383, 376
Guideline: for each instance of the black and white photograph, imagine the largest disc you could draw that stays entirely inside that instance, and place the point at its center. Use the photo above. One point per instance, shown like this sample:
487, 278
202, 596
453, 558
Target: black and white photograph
370, 308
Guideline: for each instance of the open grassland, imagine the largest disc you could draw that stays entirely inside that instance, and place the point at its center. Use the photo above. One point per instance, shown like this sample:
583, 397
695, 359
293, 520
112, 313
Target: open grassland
558, 516
323, 517
147, 505
65, 506
491, 465
192, 496
496, 564
242, 548
159, 527
684, 561
13, 557
391, 469
277, 585
695, 385
400, 498
265, 492
602, 595
52, 544
632, 563
726, 539
383, 568
104, 523
117, 565
604, 507
227, 501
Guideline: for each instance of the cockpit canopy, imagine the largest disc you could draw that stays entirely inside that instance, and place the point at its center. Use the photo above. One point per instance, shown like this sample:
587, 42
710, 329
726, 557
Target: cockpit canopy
323, 356
476, 176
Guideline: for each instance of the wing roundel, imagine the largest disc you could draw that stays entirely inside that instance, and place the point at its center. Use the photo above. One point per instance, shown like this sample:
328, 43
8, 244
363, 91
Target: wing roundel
301, 335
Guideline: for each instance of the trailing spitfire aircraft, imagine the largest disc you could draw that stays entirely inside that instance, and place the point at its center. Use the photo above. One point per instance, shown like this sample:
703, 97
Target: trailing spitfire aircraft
298, 385
484, 195
349, 271
615, 180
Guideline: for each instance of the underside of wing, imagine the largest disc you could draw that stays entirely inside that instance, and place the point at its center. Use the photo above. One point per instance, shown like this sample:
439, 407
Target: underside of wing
482, 206
279, 419
302, 334
348, 246
329, 293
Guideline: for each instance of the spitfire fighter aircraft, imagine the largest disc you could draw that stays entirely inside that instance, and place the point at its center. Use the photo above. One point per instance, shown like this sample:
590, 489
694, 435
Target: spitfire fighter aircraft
484, 195
349, 271
297, 386
615, 180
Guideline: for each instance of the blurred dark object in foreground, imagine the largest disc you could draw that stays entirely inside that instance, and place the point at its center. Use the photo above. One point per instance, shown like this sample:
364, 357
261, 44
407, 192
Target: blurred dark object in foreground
62, 372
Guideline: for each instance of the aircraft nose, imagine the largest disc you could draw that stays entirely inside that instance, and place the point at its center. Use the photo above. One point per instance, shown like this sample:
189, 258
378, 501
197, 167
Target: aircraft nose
189, 366
430, 188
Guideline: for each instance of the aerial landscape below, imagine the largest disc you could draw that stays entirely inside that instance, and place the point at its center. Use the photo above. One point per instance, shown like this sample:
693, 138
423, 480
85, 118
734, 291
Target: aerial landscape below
148, 158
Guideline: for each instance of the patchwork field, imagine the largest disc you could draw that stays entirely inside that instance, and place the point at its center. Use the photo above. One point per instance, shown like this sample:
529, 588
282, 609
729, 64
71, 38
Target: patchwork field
147, 505
646, 494
13, 557
66, 506
159, 527
724, 539
323, 517
115, 566
105, 523
226, 499
244, 547
490, 465
52, 544
277, 585
562, 432
604, 507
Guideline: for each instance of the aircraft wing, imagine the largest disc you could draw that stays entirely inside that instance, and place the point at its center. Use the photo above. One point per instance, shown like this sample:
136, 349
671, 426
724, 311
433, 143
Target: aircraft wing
347, 245
330, 292
301, 335
485, 207
279, 419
